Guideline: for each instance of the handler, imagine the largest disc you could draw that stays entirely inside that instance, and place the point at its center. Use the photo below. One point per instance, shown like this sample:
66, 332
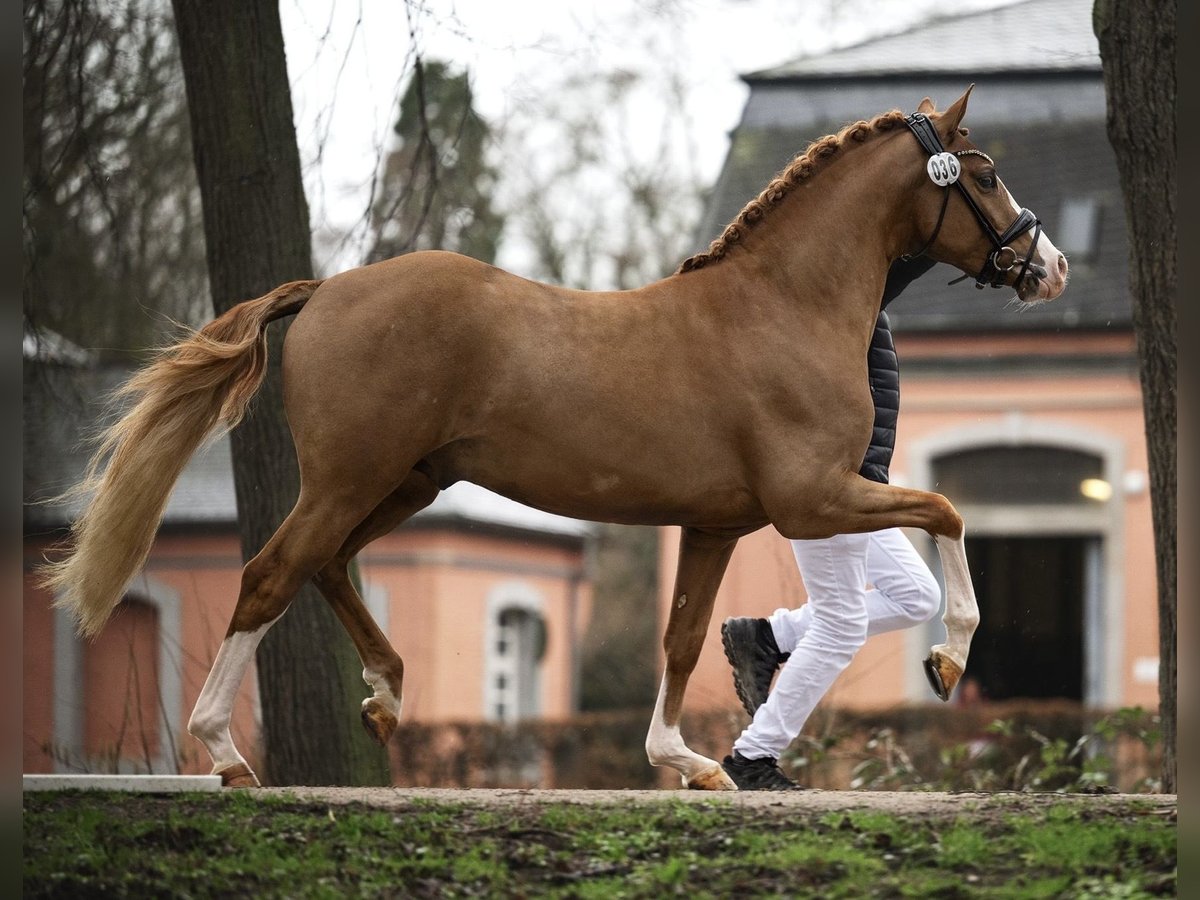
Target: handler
816, 642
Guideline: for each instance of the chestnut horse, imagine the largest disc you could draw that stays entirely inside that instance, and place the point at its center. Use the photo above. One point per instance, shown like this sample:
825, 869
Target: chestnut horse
726, 397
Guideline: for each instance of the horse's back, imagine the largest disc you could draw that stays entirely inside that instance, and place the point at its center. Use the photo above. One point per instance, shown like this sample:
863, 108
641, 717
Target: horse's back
625, 406
563, 399
435, 341
438, 323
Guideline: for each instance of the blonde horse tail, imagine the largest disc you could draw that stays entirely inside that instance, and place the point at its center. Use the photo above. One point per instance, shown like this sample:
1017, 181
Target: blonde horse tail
176, 401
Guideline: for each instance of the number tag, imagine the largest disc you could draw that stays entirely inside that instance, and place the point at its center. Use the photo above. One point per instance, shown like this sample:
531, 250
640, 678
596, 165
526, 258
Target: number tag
943, 169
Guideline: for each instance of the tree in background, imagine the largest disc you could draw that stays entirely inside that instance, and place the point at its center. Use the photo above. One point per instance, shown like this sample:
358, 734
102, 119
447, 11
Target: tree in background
110, 211
257, 236
606, 206
1137, 50
437, 186
619, 645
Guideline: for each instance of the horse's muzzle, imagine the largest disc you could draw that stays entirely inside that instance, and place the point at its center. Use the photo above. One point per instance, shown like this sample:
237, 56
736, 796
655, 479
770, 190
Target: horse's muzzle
1040, 285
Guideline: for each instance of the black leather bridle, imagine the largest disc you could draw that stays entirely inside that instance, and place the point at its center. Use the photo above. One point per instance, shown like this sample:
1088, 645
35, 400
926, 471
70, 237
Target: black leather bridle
944, 170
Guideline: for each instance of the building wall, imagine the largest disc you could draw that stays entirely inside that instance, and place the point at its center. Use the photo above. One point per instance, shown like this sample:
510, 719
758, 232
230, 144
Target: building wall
429, 588
121, 685
192, 580
1098, 410
441, 588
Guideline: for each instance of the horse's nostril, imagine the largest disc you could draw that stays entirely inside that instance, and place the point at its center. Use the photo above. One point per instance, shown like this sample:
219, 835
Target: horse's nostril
1062, 265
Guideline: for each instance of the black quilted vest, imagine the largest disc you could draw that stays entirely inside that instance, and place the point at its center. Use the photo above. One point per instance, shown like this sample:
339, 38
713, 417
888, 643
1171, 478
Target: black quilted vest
883, 369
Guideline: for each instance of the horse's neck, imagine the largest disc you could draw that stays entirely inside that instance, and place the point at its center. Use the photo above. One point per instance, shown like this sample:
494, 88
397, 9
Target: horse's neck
828, 245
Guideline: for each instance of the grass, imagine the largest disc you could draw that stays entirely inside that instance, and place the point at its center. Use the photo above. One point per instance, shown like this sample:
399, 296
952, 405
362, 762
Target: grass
238, 844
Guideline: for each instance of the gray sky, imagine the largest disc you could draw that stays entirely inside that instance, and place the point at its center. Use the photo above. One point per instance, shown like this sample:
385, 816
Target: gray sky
349, 61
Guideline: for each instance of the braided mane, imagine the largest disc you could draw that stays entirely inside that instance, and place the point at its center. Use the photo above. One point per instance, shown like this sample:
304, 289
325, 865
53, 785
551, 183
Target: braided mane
799, 169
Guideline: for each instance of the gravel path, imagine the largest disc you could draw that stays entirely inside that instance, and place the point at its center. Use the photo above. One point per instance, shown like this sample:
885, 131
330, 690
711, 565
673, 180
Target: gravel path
918, 803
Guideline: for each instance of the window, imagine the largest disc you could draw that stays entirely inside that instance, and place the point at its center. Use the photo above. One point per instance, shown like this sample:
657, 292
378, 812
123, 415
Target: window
516, 642
1078, 229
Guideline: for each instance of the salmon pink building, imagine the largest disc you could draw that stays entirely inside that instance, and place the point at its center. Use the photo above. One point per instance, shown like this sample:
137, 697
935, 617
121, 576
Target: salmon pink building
485, 600
1030, 421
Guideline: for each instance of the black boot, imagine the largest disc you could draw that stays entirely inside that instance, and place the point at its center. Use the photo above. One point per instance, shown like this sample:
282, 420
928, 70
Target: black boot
751, 649
757, 774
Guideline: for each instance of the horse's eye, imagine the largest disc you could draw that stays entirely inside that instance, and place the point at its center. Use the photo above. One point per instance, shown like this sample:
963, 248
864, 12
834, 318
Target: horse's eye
987, 182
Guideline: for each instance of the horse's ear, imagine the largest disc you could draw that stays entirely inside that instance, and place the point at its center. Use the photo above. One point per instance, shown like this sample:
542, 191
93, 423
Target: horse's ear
953, 116
926, 107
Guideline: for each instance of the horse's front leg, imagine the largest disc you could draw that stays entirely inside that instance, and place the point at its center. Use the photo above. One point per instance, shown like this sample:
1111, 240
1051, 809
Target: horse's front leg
862, 505
905, 507
946, 662
702, 561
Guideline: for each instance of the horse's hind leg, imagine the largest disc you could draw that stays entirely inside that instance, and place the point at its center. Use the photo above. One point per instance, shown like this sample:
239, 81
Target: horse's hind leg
702, 561
305, 541
383, 670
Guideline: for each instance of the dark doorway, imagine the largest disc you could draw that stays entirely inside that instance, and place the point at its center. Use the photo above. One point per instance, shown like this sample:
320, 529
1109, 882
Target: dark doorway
1030, 641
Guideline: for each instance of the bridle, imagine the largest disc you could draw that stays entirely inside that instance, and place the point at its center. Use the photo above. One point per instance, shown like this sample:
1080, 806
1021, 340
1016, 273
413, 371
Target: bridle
944, 170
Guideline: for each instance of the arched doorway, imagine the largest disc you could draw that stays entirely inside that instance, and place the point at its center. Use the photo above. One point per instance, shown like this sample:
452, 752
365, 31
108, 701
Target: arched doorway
1037, 521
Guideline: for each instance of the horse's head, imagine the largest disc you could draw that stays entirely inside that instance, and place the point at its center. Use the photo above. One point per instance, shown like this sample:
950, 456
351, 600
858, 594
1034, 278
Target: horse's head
982, 231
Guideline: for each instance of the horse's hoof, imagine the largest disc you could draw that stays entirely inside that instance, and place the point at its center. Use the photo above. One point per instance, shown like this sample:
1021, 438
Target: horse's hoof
379, 722
714, 779
239, 775
943, 674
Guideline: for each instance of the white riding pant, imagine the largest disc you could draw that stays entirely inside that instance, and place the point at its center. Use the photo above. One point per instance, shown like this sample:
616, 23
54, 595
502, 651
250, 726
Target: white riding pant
823, 635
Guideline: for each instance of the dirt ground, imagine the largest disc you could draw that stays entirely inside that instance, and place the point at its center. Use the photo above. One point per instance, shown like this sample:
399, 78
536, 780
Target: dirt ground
900, 803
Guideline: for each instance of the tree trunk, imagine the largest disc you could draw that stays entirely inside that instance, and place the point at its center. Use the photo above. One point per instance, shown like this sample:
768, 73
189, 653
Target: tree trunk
257, 235
1137, 49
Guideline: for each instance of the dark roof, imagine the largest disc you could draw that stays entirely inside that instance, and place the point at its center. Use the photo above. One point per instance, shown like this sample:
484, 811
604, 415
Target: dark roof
63, 407
1096, 296
1030, 36
1046, 133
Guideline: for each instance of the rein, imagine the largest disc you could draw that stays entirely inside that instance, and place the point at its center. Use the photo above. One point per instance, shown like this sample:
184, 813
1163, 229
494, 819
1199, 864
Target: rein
944, 170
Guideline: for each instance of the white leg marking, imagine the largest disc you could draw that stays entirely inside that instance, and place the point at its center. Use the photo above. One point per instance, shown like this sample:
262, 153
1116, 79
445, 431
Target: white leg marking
209, 723
382, 692
665, 746
962, 612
